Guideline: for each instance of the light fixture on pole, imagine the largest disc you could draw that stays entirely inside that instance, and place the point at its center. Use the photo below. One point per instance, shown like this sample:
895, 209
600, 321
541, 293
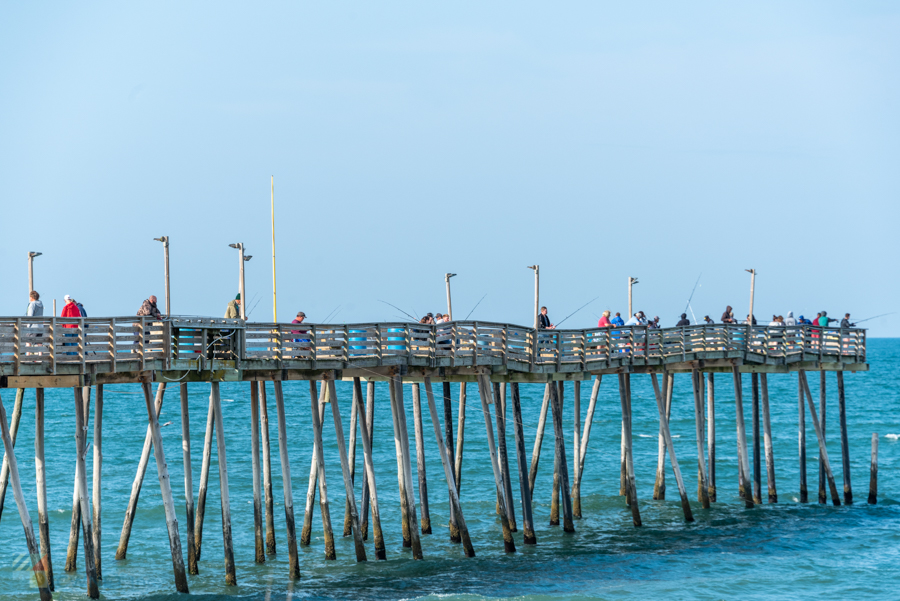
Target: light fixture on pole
241, 258
447, 277
752, 273
631, 282
31, 256
165, 241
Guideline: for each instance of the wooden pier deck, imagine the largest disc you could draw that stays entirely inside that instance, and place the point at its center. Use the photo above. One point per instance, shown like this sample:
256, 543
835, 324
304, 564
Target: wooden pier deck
87, 353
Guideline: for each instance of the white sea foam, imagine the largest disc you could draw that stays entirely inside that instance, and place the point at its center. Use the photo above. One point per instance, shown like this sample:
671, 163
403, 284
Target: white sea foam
892, 436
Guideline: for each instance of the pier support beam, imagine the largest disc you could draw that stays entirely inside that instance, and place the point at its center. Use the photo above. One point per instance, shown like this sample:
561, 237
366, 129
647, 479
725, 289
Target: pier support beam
204, 482
258, 536
306, 531
845, 444
37, 565
41, 478
401, 441
823, 494
81, 400
554, 498
188, 478
630, 487
503, 457
744, 475
368, 422
97, 471
659, 486
319, 457
873, 471
448, 442
767, 434
13, 432
525, 491
823, 452
804, 496
122, 549
484, 387
561, 461
267, 470
757, 463
72, 547
181, 584
666, 434
420, 458
460, 436
293, 559
710, 432
230, 574
538, 440
348, 478
582, 448
697, 382
370, 492
351, 456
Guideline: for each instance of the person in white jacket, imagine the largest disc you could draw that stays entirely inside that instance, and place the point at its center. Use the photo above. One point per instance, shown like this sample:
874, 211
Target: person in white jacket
35, 306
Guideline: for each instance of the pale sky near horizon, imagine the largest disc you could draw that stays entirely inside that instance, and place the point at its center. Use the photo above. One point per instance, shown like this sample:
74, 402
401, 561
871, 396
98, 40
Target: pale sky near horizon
600, 140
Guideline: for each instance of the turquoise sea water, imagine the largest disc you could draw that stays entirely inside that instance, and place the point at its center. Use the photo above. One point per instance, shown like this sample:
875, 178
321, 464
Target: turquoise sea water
783, 550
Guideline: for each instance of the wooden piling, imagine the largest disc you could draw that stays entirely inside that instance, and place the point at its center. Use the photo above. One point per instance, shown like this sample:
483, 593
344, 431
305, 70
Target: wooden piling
823, 452
122, 549
630, 487
767, 434
582, 448
267, 470
230, 575
873, 471
348, 478
188, 478
351, 456
320, 469
456, 510
576, 446
37, 565
448, 442
41, 478
306, 531
554, 498
204, 482
420, 459
402, 435
802, 439
13, 432
562, 462
745, 486
845, 444
823, 495
72, 547
697, 384
81, 400
97, 471
293, 558
659, 486
710, 433
369, 423
181, 584
259, 537
524, 490
370, 492
460, 432
503, 457
757, 463
484, 386
666, 434
538, 440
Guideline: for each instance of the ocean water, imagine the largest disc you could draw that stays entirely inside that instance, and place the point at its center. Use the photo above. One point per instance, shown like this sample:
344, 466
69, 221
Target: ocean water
781, 550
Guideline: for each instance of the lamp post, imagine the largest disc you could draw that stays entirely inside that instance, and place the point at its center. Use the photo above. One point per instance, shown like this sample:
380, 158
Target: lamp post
447, 277
241, 258
165, 242
631, 282
752, 273
537, 290
31, 256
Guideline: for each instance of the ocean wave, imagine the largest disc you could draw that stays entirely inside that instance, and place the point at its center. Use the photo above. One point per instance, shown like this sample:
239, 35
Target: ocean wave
892, 436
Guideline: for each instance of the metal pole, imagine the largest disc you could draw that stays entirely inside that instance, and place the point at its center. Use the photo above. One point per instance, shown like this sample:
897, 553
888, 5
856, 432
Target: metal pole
631, 282
168, 297
447, 277
241, 283
274, 294
31, 256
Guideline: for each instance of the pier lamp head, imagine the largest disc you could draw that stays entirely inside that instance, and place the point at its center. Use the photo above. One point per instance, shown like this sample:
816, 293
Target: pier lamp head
248, 257
33, 254
633, 280
447, 276
753, 271
532, 267
236, 245
163, 239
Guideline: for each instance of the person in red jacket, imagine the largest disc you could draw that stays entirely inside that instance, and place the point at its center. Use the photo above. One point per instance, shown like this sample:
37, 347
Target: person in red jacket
70, 310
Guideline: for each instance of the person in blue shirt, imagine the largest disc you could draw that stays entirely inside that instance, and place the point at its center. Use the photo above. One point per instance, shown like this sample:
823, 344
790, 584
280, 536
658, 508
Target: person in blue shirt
617, 320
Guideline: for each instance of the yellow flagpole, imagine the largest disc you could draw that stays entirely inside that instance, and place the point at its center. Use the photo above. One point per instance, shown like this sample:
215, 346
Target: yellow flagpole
274, 294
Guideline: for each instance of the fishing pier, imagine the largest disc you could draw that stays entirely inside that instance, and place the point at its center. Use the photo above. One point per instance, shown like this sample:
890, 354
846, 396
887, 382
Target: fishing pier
490, 361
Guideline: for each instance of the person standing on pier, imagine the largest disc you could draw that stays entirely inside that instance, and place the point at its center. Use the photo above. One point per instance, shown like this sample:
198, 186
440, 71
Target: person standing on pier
617, 320
233, 311
684, 321
707, 320
604, 320
638, 319
544, 320
36, 307
845, 323
824, 319
790, 320
149, 308
728, 315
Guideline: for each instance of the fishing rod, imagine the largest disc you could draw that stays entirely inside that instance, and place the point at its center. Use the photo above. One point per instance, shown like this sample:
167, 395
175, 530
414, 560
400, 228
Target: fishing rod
399, 309
475, 307
876, 317
697, 283
330, 314
254, 306
577, 310
335, 315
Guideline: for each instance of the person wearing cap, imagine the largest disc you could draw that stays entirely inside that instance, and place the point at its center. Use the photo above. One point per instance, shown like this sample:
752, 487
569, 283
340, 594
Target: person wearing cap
234, 308
70, 310
299, 319
684, 321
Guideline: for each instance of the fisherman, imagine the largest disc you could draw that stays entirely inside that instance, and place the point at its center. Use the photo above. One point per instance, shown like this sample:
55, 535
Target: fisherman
544, 320
638, 319
617, 320
684, 321
789, 320
70, 310
707, 320
233, 311
149, 308
35, 306
604, 320
728, 315
803, 321
845, 323
824, 319
299, 319
654, 323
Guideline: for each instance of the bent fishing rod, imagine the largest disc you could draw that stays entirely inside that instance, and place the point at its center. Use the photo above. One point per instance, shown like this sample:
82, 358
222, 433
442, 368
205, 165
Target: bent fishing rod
475, 307
577, 310
399, 309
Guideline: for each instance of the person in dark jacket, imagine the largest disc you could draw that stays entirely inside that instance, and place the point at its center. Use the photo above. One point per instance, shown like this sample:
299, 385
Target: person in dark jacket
845, 323
728, 315
149, 308
544, 320
684, 321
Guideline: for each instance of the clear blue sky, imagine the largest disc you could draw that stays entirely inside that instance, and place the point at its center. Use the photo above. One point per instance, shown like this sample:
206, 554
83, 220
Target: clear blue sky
599, 139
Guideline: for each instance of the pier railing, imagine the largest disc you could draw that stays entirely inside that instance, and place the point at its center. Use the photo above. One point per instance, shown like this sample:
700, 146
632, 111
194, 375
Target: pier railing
61, 345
